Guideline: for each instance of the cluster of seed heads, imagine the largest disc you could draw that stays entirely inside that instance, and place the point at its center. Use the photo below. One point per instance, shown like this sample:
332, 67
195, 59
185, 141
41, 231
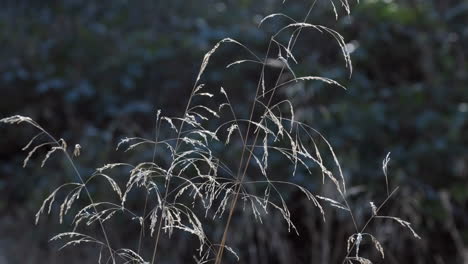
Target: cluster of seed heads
193, 171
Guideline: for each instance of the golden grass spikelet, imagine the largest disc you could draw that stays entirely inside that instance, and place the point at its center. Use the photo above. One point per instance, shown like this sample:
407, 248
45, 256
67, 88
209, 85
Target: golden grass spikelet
378, 246
77, 150
403, 223
16, 119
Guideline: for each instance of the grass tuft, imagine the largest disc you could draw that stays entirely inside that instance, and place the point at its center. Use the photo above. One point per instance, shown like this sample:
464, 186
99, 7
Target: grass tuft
188, 180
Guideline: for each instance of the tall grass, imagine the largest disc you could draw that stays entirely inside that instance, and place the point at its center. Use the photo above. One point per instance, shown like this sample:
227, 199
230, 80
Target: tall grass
187, 181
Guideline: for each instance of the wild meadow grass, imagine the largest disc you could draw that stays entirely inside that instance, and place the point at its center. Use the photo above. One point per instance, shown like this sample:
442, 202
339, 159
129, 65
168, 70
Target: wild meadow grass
187, 183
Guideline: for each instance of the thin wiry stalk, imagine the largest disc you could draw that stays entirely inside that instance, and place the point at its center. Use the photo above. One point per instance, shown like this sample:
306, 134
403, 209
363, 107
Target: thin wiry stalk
70, 160
157, 127
202, 69
375, 214
304, 126
369, 221
241, 177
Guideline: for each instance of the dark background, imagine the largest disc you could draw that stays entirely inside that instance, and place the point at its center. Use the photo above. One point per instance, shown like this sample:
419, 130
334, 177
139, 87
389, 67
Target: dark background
93, 72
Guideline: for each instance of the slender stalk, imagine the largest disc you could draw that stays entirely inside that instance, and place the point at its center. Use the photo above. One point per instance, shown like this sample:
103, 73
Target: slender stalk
164, 201
156, 136
370, 220
239, 179
88, 194
242, 176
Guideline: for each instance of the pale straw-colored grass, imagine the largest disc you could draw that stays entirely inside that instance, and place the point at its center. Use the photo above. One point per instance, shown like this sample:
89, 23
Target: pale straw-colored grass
196, 183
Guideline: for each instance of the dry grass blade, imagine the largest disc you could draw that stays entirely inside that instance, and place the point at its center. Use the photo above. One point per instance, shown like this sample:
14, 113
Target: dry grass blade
385, 171
403, 223
275, 15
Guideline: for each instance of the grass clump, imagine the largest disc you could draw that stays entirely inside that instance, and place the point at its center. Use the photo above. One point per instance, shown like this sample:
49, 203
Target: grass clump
188, 180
